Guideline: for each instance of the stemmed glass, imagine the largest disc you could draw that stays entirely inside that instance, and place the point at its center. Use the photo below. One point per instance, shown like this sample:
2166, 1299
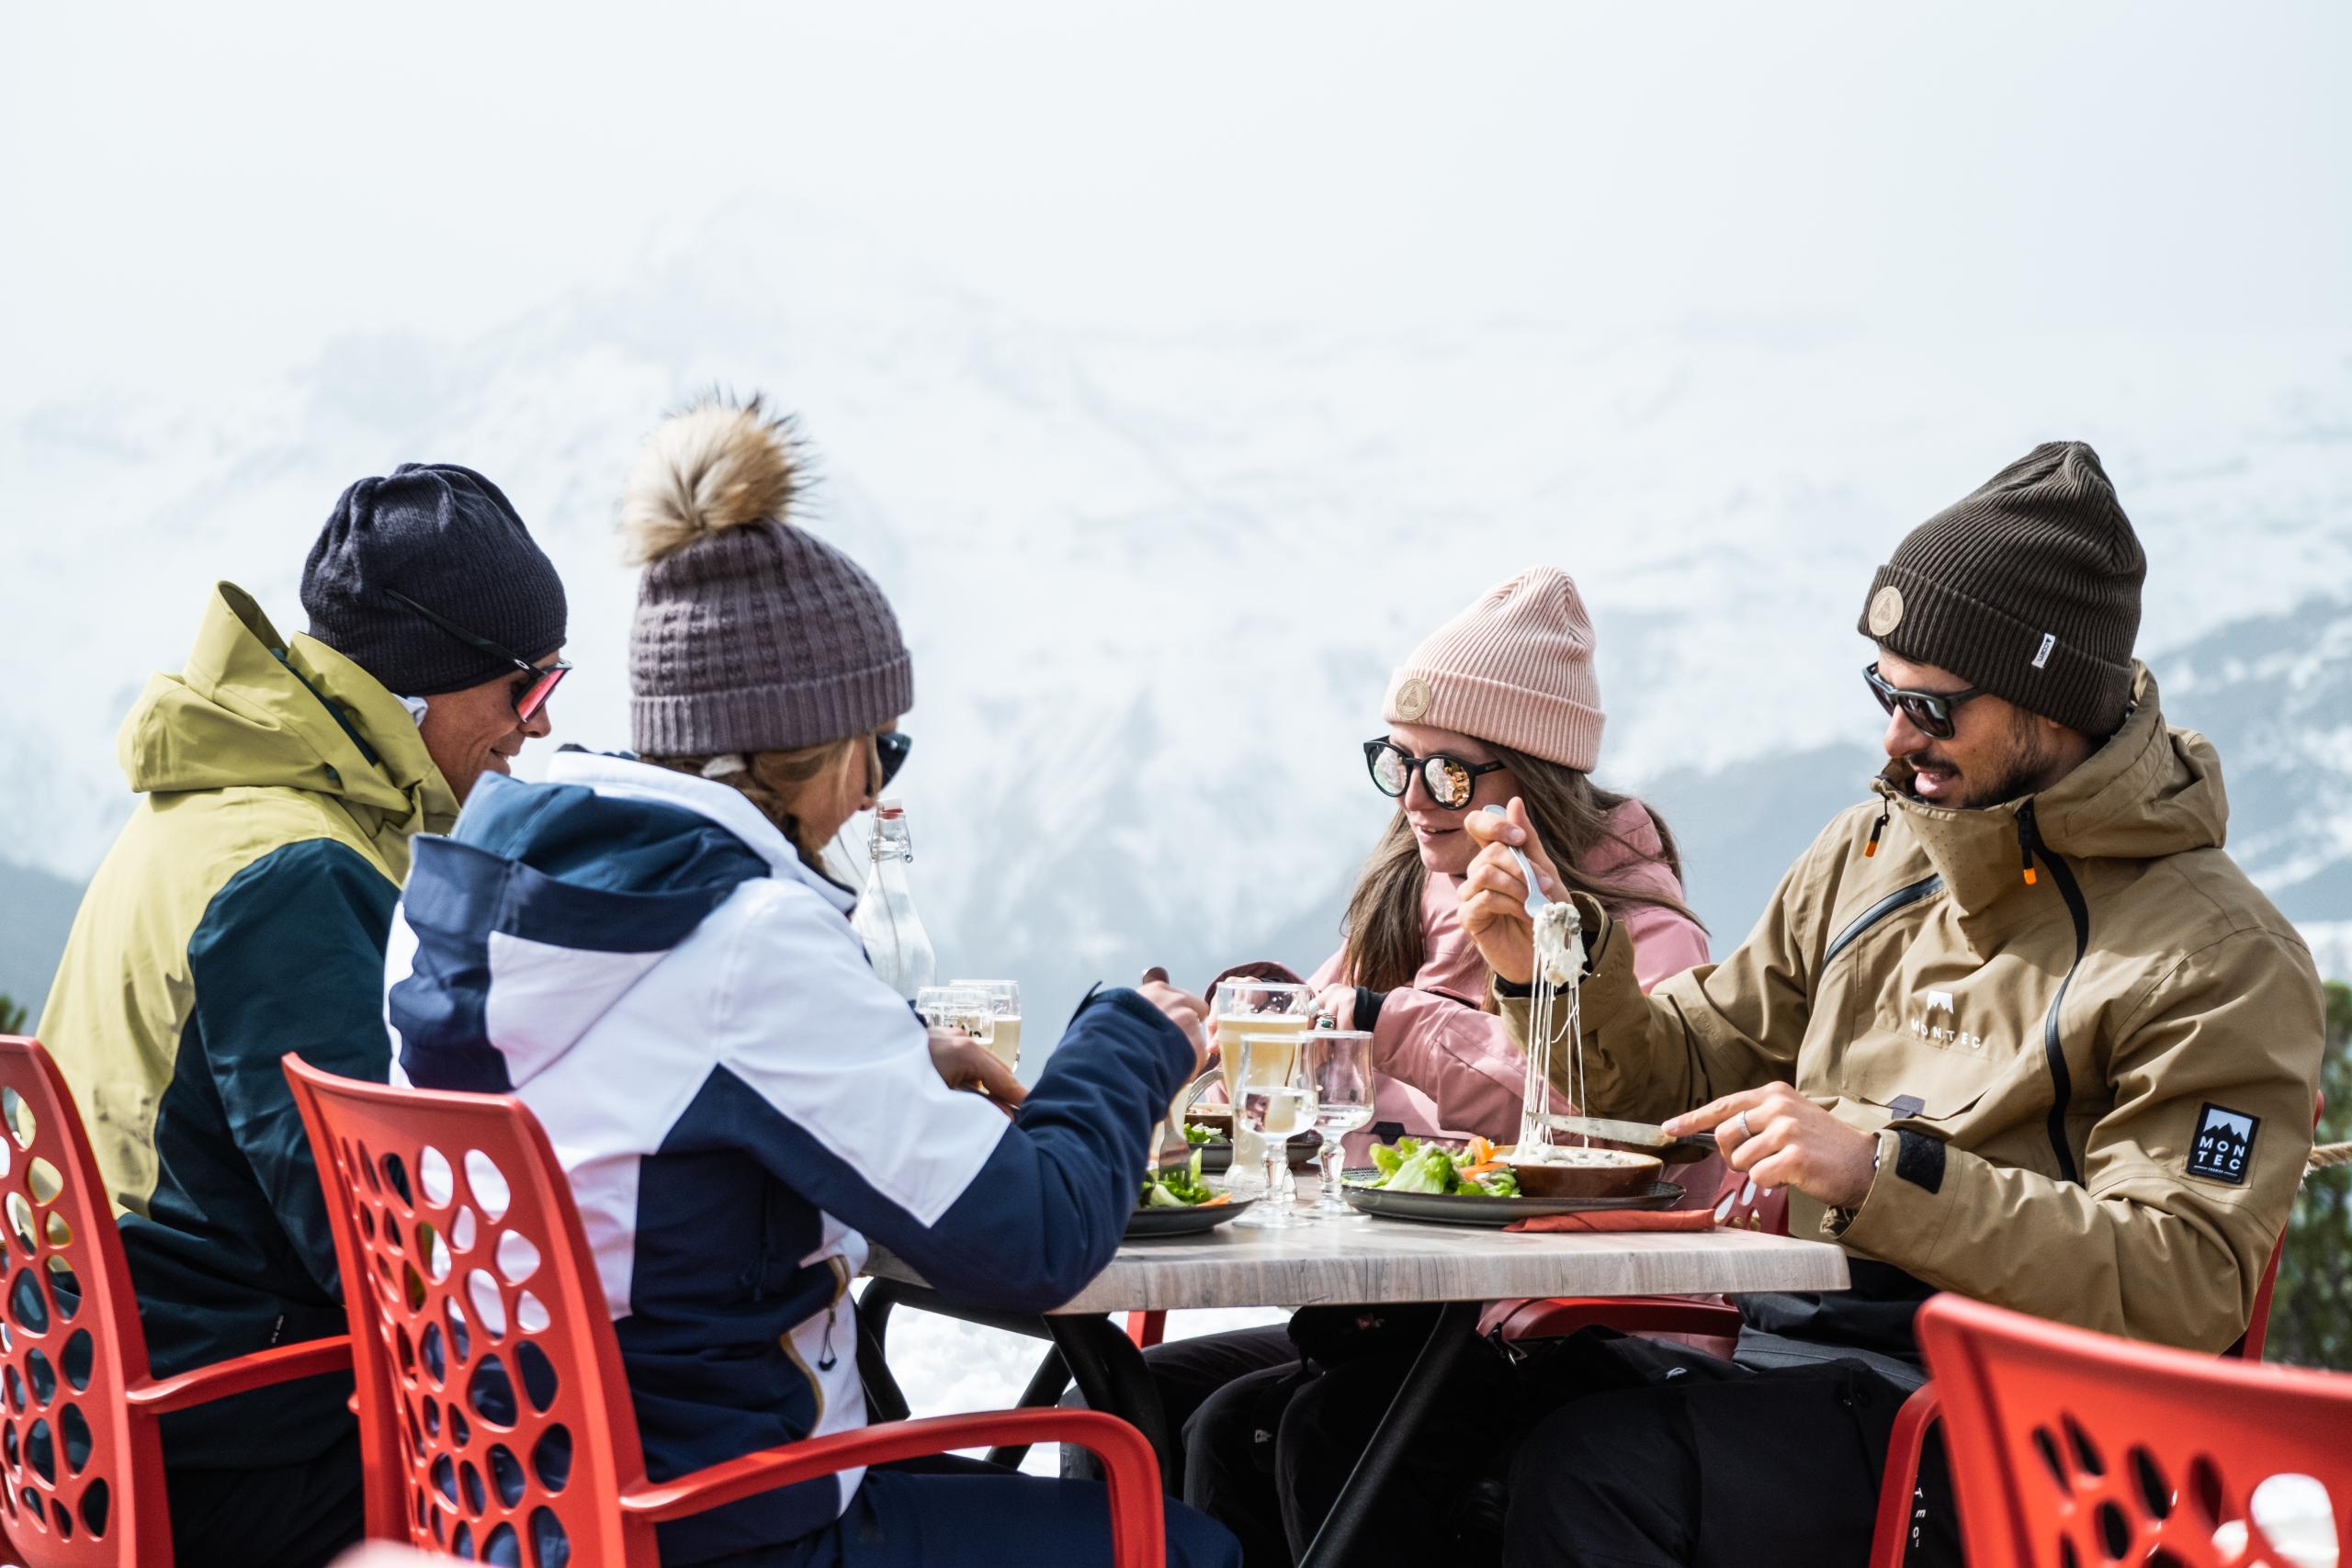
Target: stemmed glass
1243, 1007
1339, 1075
1275, 1102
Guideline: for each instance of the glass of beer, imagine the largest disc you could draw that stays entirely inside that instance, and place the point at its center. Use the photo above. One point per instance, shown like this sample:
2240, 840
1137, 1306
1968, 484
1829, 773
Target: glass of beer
1004, 997
1242, 1007
1275, 1104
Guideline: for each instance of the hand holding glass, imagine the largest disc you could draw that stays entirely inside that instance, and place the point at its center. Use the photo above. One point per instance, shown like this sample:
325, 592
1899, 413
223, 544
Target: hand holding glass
1004, 999
962, 1008
1242, 1007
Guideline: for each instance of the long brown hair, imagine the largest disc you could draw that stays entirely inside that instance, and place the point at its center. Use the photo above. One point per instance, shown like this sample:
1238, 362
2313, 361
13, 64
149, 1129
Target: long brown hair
1571, 817
770, 779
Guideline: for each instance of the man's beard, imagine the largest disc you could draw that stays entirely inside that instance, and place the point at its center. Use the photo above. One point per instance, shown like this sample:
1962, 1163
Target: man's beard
2022, 769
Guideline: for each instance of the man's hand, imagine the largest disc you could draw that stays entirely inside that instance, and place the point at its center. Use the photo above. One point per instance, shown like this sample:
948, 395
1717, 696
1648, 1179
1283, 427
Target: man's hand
1494, 893
963, 1063
1782, 1139
1184, 1010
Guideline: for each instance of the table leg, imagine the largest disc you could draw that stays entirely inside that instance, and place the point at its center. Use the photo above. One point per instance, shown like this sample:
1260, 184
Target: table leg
1455, 1333
1110, 1371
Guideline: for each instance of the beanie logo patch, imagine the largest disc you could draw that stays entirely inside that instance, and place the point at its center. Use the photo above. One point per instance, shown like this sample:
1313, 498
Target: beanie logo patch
2041, 658
1887, 610
1412, 699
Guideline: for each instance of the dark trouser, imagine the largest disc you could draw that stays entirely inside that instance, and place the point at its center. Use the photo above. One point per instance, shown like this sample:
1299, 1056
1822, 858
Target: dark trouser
291, 1517
940, 1513
1598, 1450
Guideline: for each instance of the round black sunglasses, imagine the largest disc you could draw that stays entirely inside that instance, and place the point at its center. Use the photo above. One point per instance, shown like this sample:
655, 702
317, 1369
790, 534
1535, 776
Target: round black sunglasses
1450, 780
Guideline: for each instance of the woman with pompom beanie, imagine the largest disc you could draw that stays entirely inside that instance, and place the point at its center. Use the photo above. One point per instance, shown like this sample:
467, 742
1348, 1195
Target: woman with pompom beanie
648, 952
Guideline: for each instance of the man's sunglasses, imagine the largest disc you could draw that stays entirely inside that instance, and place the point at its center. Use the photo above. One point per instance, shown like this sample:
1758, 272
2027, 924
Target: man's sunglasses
1931, 711
890, 748
530, 695
1451, 781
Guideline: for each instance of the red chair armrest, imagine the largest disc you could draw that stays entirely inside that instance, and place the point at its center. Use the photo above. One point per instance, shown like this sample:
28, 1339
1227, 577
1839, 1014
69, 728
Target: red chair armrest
1563, 1315
312, 1357
1126, 1459
1893, 1534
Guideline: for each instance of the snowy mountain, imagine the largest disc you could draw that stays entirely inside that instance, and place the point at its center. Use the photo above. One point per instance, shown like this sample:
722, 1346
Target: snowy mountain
1154, 588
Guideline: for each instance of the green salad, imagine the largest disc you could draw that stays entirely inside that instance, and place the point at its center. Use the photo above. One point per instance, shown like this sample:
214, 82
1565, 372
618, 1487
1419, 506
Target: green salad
1196, 1135
1178, 1187
1410, 1165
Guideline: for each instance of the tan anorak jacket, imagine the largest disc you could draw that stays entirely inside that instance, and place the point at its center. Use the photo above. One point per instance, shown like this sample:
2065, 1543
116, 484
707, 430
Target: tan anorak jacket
2040, 1057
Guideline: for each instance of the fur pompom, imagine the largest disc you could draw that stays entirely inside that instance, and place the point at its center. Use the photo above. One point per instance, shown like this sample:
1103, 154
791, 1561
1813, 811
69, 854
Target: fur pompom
718, 464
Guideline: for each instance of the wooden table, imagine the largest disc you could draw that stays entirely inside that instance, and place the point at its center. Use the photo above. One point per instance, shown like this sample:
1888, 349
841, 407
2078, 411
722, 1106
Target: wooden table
1355, 1260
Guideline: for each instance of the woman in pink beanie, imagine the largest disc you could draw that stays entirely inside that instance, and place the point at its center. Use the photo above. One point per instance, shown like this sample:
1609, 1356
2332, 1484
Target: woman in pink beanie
1499, 703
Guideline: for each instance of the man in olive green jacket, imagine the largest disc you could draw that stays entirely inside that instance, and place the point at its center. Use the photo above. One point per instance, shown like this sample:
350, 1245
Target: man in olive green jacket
2018, 1027
241, 914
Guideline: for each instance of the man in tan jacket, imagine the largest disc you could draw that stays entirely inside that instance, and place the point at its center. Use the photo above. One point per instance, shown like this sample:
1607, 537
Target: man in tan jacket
2017, 1027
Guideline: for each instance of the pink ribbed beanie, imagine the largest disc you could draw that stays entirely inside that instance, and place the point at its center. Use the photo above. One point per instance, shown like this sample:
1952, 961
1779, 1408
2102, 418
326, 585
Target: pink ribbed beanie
1515, 669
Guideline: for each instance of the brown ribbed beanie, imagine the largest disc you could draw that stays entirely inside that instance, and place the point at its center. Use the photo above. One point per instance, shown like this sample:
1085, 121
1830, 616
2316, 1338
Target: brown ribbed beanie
752, 635
2028, 587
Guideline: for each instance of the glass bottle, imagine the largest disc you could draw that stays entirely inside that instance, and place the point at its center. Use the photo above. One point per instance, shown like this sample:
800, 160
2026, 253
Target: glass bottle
886, 920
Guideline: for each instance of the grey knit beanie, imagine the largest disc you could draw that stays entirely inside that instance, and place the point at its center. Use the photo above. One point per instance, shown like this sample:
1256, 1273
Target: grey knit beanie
449, 539
751, 634
2029, 587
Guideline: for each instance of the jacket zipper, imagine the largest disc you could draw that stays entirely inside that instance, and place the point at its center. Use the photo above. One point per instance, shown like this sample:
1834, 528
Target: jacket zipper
2031, 846
1901, 898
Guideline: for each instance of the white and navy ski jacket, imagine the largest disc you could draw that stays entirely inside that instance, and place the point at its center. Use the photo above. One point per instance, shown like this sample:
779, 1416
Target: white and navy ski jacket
641, 957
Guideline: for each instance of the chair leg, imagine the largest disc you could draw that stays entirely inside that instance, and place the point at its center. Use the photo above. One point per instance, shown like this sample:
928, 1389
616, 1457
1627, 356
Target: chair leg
1045, 1386
885, 1401
1146, 1328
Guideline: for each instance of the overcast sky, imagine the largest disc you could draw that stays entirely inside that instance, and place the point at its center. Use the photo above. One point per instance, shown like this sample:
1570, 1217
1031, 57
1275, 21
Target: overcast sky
192, 199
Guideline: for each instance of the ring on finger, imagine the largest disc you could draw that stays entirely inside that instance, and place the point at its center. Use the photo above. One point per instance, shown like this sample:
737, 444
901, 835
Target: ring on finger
1746, 1131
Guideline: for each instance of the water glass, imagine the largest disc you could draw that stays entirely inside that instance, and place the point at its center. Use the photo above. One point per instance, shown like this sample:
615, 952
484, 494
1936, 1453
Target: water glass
1243, 1007
1004, 999
1338, 1071
1275, 1104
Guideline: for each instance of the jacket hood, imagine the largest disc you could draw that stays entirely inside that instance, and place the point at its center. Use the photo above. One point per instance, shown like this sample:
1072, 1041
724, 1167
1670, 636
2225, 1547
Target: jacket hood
571, 890
2150, 791
256, 710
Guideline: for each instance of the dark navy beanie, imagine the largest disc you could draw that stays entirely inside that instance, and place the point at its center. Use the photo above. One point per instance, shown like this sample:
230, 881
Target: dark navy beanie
447, 539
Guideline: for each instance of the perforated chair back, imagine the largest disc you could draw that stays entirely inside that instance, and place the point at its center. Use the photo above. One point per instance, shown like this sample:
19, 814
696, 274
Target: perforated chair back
495, 1415
1740, 1204
85, 1469
2073, 1447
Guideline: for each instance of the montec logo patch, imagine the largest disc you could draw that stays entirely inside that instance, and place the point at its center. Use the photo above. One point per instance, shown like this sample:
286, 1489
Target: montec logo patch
2223, 1146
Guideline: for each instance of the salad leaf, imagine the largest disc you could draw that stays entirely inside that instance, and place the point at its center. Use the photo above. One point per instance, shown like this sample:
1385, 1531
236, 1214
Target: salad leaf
1410, 1165
1179, 1189
1195, 1133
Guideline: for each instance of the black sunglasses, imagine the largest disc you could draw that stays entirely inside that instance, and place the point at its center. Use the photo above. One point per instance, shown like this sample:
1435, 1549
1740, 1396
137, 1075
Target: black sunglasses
529, 696
1450, 780
1931, 711
890, 748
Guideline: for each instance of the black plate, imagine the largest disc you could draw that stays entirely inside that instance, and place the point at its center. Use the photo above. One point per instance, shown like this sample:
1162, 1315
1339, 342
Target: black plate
1476, 1209
1218, 1155
1145, 1223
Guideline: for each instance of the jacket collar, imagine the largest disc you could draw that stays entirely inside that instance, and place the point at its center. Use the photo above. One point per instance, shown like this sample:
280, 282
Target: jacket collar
626, 778
2148, 791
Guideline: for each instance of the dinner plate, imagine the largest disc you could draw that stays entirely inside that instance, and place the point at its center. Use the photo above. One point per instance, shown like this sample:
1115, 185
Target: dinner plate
1477, 1209
1145, 1223
1218, 1155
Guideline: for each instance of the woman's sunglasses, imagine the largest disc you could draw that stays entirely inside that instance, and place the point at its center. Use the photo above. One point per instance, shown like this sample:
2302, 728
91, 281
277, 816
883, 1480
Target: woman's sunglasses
1451, 781
1931, 711
890, 748
530, 694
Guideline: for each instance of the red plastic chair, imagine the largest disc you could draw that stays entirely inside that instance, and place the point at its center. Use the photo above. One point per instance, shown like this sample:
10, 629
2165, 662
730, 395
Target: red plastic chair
1898, 1488
2069, 1447
485, 1350
78, 1443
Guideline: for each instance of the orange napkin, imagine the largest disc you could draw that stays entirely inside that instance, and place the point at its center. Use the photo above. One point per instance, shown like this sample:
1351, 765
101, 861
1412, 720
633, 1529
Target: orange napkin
1621, 1220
